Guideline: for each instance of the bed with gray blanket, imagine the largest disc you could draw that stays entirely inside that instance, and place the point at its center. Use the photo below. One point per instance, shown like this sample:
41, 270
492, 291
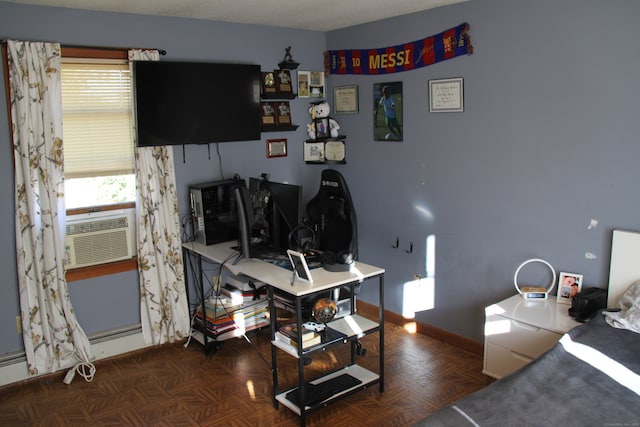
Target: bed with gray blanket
591, 377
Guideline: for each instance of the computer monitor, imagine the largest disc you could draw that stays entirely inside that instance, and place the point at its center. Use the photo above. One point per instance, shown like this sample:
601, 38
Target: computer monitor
245, 220
277, 210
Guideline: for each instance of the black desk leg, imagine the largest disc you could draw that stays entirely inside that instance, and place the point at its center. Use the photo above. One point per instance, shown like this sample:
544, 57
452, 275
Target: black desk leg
301, 362
274, 356
381, 315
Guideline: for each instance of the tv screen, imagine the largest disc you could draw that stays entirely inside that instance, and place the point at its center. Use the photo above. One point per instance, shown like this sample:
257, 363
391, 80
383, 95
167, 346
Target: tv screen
196, 102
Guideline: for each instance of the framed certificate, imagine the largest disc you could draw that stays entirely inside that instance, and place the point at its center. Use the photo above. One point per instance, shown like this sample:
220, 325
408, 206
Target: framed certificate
345, 99
446, 95
334, 151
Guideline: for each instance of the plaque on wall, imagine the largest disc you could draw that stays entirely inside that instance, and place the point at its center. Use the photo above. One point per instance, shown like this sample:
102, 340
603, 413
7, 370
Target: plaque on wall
269, 83
267, 114
283, 113
283, 81
276, 148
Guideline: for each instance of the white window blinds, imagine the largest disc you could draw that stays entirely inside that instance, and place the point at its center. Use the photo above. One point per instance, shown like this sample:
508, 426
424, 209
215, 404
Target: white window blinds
97, 119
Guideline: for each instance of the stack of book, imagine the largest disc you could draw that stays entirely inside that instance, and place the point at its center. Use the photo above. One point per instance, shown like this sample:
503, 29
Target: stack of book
226, 320
288, 334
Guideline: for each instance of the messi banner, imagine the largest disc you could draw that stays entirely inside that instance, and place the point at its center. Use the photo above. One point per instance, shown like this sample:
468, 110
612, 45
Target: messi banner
404, 57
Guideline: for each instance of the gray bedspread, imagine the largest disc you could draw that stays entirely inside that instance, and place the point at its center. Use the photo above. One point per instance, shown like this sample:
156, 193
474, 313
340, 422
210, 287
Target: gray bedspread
560, 388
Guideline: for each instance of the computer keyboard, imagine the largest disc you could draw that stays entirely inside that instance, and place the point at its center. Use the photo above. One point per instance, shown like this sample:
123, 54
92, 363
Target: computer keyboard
316, 393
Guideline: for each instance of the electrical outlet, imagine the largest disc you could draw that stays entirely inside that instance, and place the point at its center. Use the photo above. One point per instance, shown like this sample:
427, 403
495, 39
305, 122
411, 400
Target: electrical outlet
19, 324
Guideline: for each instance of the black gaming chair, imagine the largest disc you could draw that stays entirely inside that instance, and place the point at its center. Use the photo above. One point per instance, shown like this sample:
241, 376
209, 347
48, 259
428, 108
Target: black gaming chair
331, 215
333, 218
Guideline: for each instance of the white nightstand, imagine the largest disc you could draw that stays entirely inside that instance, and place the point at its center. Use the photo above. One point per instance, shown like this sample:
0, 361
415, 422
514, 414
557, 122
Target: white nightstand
517, 331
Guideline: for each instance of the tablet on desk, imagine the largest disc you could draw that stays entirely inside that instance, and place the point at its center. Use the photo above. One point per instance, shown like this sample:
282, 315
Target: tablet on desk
299, 264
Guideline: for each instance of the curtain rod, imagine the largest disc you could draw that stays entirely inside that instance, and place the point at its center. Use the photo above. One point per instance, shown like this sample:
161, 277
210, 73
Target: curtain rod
160, 51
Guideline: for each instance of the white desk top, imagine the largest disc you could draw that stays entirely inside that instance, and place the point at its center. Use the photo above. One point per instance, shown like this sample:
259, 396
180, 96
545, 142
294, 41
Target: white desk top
279, 277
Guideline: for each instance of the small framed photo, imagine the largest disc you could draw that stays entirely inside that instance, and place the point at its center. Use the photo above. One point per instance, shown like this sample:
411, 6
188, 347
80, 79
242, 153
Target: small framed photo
322, 128
446, 95
299, 264
303, 83
316, 84
345, 99
314, 152
569, 285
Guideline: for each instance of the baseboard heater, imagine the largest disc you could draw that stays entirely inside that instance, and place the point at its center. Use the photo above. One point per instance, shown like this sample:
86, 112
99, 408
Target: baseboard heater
18, 357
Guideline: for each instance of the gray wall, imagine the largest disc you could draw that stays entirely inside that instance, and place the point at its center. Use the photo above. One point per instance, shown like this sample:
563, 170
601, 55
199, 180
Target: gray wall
112, 302
547, 142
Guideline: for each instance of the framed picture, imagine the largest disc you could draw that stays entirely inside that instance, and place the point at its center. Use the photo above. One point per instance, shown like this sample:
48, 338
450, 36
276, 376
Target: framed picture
303, 84
569, 285
276, 147
316, 84
314, 152
387, 111
345, 99
322, 127
446, 95
299, 264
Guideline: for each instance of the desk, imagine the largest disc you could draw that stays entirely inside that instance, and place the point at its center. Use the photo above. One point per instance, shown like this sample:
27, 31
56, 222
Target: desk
280, 280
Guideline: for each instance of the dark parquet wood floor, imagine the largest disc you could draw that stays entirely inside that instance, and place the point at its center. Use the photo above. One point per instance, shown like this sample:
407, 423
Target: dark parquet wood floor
172, 385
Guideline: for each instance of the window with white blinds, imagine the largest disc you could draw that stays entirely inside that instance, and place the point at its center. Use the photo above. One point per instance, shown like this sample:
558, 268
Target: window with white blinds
97, 119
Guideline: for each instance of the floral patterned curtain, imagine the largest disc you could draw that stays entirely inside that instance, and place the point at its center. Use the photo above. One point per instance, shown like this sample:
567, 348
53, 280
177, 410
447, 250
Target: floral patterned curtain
163, 301
51, 333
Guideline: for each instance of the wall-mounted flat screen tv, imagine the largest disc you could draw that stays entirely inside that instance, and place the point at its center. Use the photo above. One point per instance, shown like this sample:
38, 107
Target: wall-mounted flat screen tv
196, 102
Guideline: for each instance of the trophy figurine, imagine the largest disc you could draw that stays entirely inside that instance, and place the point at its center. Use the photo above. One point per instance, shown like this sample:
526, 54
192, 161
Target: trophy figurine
288, 63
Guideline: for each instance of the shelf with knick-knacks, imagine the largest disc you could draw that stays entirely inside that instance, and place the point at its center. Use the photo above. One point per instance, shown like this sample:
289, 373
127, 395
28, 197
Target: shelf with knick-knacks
275, 110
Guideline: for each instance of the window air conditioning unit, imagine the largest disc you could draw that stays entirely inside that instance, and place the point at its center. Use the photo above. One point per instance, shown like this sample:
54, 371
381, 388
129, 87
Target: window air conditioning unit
99, 237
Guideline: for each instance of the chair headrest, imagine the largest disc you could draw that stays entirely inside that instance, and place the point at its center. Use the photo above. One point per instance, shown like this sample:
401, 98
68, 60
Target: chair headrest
332, 183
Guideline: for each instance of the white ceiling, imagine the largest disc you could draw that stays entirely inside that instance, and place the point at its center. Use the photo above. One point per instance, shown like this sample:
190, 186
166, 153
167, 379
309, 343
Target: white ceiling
318, 15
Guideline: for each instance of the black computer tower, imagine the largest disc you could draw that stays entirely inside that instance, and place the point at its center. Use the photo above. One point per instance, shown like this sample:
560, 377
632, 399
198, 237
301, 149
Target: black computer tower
214, 210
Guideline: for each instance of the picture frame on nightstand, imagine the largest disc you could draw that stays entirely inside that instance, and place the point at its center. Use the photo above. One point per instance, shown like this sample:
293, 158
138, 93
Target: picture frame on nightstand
569, 285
